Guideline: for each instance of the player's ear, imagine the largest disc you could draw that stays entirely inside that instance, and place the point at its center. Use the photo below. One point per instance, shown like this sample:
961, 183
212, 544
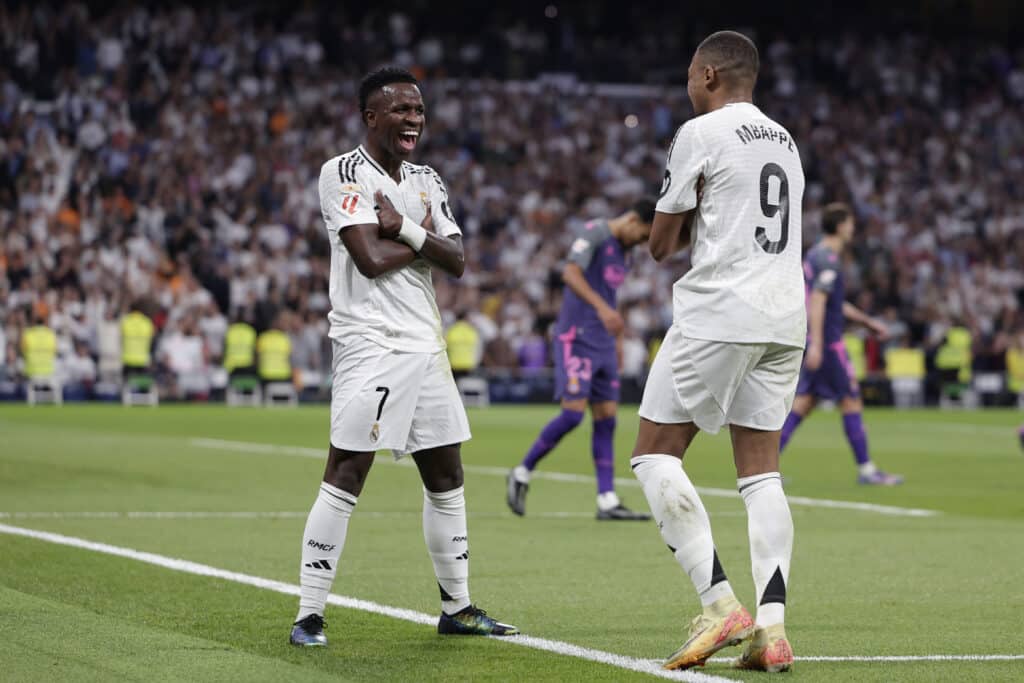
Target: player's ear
710, 76
370, 118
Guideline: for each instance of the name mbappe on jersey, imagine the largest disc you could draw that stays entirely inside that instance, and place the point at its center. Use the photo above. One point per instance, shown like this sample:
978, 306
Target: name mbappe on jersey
758, 132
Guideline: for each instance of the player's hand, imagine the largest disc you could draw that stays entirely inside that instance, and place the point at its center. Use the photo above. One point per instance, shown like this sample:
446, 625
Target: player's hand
879, 328
428, 222
813, 359
387, 216
611, 320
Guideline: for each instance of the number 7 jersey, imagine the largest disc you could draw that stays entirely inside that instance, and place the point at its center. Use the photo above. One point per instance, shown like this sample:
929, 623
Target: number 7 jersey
746, 281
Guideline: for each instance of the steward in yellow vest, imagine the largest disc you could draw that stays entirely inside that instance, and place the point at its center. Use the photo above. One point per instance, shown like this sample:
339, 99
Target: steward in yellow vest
274, 350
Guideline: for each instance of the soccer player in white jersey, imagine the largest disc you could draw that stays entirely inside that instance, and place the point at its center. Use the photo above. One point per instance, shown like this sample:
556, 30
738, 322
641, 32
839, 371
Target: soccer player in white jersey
389, 221
733, 185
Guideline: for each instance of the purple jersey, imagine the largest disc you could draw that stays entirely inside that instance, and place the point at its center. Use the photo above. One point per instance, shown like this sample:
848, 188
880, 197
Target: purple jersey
822, 273
603, 261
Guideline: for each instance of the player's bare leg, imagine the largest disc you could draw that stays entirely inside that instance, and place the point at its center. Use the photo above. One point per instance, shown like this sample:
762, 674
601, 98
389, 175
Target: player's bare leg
447, 539
770, 527
803, 405
686, 530
518, 480
853, 425
324, 538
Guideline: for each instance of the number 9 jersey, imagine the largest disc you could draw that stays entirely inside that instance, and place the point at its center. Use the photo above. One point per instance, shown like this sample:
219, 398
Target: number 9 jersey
746, 281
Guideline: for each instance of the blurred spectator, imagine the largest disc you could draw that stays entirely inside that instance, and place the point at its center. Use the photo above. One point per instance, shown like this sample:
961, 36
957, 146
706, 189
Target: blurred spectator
273, 353
136, 342
155, 155
80, 372
39, 350
183, 353
465, 347
240, 349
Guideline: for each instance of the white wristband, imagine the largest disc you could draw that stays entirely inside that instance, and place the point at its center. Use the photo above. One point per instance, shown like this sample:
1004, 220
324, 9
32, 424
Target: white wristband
412, 234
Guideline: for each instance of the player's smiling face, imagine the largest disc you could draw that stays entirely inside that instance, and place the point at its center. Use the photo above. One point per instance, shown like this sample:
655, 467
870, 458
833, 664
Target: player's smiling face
396, 117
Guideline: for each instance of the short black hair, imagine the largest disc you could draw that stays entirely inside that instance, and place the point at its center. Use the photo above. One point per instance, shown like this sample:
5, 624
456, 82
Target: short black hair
833, 215
733, 52
376, 80
644, 208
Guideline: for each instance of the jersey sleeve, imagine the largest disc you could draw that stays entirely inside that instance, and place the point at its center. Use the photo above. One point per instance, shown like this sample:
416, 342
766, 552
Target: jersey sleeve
686, 162
440, 206
826, 273
344, 200
585, 243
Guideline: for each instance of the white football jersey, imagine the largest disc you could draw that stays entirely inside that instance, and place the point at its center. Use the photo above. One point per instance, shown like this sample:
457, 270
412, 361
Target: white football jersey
397, 310
746, 281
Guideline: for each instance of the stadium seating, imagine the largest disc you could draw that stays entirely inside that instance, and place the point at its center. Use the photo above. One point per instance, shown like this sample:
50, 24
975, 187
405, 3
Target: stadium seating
43, 390
475, 391
140, 390
243, 391
280, 394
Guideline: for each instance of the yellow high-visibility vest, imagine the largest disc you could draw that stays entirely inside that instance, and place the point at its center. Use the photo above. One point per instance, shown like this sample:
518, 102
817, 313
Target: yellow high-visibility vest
274, 349
463, 341
39, 348
239, 346
858, 358
955, 354
1015, 370
136, 340
904, 364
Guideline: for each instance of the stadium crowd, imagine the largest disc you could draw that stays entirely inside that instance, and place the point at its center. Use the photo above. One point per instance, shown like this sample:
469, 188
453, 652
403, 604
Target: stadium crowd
168, 159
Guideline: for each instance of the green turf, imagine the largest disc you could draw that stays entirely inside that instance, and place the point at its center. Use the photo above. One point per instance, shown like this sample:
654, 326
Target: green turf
862, 583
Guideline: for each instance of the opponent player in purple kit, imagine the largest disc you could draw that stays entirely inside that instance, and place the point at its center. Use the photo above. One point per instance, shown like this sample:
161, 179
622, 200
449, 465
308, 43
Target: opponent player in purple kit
827, 373
588, 335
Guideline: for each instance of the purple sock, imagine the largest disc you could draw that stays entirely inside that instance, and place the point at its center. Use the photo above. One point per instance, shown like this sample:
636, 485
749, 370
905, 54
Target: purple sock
603, 448
857, 437
792, 422
552, 433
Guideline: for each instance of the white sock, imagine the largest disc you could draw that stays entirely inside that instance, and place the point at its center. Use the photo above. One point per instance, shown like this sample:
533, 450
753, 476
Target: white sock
867, 469
444, 530
521, 474
609, 500
322, 542
770, 527
683, 522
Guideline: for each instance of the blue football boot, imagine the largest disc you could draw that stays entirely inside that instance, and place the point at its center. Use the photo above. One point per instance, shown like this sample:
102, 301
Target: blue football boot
473, 621
309, 632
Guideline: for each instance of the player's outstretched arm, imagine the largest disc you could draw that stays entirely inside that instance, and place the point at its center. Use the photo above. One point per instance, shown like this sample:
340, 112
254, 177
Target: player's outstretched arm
854, 314
373, 255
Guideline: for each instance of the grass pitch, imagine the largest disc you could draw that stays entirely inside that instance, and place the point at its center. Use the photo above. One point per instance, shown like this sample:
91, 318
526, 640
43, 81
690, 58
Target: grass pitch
863, 584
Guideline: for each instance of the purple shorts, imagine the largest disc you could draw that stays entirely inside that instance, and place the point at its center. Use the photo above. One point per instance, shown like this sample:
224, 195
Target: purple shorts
584, 372
834, 379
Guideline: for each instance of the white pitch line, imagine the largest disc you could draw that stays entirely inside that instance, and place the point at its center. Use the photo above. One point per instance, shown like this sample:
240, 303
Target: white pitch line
151, 514
189, 514
897, 658
305, 452
645, 666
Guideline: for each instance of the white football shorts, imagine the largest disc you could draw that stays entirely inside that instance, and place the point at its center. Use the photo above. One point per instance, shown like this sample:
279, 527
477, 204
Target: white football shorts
387, 399
713, 384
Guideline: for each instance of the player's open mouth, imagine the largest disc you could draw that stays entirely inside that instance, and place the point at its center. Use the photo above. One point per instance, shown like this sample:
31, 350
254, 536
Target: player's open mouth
407, 139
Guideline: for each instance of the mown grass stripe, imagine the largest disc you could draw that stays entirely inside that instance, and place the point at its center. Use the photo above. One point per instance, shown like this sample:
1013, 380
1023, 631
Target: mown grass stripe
568, 649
